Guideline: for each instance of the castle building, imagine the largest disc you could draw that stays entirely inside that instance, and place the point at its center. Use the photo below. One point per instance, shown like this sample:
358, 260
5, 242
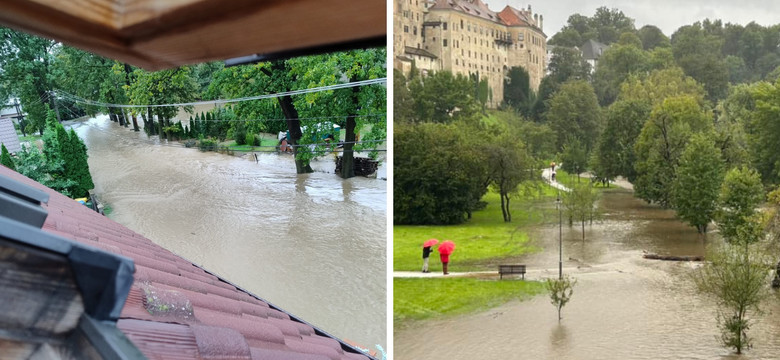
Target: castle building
466, 37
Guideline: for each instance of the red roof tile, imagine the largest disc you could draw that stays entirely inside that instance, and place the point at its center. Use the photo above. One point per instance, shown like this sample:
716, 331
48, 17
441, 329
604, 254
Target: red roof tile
218, 320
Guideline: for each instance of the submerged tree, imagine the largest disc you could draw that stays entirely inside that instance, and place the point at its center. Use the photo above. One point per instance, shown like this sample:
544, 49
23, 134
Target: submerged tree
736, 278
561, 291
699, 177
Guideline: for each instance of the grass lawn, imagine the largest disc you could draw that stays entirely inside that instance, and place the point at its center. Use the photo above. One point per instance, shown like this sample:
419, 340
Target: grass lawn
267, 142
425, 298
479, 241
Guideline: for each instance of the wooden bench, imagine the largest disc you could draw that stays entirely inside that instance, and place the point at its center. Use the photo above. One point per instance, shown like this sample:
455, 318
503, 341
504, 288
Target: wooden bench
511, 269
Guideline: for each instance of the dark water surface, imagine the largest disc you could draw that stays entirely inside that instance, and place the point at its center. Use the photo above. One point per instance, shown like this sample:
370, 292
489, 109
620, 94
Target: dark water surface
314, 244
624, 307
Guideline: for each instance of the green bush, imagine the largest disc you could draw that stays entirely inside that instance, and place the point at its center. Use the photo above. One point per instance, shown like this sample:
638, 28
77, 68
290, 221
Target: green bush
250, 139
207, 145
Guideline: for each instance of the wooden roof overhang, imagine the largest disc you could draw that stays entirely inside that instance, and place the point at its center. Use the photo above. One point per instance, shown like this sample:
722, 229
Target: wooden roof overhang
161, 34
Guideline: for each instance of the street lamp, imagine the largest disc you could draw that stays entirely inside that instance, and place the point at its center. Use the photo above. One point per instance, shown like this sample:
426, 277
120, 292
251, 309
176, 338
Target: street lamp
560, 237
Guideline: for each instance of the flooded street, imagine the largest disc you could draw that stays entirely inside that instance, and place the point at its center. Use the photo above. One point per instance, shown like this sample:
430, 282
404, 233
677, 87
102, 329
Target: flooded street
623, 307
314, 244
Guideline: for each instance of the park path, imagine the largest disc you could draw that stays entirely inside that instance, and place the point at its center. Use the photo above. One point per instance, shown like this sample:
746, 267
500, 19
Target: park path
547, 176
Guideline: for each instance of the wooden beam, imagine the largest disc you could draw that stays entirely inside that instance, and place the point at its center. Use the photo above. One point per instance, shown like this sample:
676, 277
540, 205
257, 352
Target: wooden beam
156, 35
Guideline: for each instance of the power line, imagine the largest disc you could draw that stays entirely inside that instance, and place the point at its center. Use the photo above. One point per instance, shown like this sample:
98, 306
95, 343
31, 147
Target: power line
224, 101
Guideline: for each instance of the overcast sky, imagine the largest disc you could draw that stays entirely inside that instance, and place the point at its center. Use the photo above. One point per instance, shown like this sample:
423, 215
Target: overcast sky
668, 15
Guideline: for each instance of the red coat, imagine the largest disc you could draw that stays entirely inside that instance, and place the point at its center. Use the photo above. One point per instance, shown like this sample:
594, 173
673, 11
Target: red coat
445, 258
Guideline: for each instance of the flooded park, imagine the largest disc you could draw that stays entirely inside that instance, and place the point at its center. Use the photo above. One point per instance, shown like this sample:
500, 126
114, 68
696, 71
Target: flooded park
313, 244
623, 307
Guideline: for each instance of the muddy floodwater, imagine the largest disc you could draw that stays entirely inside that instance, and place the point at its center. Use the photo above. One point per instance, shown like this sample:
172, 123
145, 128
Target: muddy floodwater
624, 307
313, 244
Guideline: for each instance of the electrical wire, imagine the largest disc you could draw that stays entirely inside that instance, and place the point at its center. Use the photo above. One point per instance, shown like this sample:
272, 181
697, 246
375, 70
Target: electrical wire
75, 98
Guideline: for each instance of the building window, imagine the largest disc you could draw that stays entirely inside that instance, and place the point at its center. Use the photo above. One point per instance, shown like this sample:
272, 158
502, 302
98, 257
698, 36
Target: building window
468, 27
445, 42
520, 37
456, 61
415, 30
444, 26
461, 24
406, 28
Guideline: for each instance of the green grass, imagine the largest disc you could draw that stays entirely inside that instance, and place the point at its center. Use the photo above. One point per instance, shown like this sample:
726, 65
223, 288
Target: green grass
426, 298
480, 241
30, 138
569, 180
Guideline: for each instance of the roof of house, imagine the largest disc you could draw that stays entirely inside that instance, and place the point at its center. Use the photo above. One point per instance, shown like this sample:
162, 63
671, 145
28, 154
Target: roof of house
177, 310
8, 136
513, 17
592, 49
163, 34
471, 7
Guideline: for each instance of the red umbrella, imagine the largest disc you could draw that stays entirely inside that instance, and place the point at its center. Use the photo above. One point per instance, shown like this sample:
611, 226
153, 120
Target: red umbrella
430, 242
446, 247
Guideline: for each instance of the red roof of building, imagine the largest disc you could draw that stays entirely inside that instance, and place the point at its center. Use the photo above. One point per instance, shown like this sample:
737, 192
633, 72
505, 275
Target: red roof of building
177, 310
472, 7
513, 17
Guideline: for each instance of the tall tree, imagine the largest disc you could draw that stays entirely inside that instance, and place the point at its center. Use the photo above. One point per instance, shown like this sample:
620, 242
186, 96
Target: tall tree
699, 54
696, 187
652, 37
617, 63
615, 150
26, 62
360, 109
575, 112
739, 198
81, 174
509, 165
517, 89
662, 141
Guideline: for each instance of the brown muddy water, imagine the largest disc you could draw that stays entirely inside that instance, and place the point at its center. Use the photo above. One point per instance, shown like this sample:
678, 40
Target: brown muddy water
313, 244
623, 307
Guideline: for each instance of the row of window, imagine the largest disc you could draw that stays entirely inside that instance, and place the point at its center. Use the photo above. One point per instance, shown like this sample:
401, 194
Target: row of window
474, 66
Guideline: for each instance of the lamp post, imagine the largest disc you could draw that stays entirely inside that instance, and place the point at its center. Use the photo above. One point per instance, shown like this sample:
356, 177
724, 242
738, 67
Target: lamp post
560, 237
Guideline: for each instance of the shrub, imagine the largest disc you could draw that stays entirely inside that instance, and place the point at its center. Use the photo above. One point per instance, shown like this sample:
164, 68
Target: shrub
207, 145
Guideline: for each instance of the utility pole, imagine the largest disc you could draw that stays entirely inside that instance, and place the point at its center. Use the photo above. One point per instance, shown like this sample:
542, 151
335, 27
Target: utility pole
560, 238
19, 117
56, 106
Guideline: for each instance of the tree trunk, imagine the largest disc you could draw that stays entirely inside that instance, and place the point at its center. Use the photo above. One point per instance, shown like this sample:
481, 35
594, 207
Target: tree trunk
135, 123
348, 157
294, 127
583, 229
508, 216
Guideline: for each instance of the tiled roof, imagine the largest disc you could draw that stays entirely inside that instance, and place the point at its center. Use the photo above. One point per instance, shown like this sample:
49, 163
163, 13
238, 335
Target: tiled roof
471, 7
8, 135
175, 309
512, 17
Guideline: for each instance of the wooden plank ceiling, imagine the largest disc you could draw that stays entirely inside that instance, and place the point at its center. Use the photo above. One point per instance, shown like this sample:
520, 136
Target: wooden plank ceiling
167, 33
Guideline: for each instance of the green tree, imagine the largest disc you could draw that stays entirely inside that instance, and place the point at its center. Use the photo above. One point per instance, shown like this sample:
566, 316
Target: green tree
653, 37
698, 53
739, 198
580, 204
617, 63
362, 108
32, 163
735, 277
158, 88
26, 62
762, 129
662, 141
615, 150
697, 183
574, 157
560, 291
509, 165
575, 112
517, 89
442, 97
5, 158
81, 173
437, 174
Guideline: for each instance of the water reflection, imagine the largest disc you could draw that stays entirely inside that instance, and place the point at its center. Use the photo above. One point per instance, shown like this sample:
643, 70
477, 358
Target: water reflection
313, 244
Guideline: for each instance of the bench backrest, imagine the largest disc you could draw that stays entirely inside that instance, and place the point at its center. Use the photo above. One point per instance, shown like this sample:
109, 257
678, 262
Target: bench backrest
511, 268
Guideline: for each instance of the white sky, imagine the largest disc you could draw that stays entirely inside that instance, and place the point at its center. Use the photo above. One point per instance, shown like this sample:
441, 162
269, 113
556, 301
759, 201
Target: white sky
668, 15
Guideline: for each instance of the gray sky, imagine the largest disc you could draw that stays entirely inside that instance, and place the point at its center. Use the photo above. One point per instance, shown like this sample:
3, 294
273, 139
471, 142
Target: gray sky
668, 15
